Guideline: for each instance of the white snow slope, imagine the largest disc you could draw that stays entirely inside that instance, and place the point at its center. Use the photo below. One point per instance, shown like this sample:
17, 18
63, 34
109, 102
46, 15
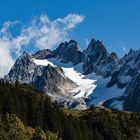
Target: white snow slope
85, 86
91, 86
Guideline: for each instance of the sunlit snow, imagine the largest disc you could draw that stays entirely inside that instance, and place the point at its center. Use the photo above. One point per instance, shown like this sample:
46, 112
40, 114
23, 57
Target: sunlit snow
43, 62
91, 86
85, 86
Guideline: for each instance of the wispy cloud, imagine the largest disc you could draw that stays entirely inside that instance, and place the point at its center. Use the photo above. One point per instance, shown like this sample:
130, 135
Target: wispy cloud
87, 41
40, 33
125, 50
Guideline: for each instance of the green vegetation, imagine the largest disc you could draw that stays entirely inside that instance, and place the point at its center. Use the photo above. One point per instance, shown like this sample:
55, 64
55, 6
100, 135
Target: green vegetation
39, 134
116, 125
11, 128
73, 112
36, 110
26, 113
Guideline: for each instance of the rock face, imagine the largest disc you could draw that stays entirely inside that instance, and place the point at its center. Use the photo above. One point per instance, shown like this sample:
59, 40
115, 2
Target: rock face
96, 51
26, 71
99, 60
127, 75
57, 86
69, 52
56, 82
131, 68
23, 70
43, 54
126, 70
132, 95
87, 65
117, 81
48, 78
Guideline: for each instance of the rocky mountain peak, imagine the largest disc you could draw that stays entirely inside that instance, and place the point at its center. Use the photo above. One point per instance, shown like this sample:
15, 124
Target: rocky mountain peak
72, 42
22, 70
99, 60
43, 54
114, 56
129, 67
67, 46
96, 50
24, 55
24, 59
69, 52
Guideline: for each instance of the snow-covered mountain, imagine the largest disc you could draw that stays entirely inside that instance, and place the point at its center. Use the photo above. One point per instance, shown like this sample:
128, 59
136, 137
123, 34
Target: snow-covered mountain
80, 79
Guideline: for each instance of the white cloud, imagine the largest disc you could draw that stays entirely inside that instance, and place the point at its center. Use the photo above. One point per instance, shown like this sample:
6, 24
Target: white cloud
125, 50
40, 33
69, 21
6, 60
47, 33
6, 26
87, 41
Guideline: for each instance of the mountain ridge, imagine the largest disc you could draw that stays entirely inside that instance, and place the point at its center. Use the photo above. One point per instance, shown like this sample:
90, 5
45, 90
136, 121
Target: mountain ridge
110, 77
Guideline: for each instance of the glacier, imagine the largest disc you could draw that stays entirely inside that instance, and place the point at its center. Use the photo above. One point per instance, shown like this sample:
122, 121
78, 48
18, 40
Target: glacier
89, 86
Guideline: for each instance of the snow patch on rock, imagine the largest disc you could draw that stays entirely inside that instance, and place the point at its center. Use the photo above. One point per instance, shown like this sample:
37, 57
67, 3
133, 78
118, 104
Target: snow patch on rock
89, 86
101, 92
117, 105
85, 85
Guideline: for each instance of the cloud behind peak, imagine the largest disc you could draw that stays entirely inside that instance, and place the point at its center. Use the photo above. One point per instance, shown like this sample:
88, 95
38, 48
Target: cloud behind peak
40, 33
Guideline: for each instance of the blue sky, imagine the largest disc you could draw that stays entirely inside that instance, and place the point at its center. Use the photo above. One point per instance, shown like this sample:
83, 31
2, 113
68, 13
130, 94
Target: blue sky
115, 22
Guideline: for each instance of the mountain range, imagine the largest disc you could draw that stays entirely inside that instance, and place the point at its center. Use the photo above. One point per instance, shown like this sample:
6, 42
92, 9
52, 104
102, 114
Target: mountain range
80, 79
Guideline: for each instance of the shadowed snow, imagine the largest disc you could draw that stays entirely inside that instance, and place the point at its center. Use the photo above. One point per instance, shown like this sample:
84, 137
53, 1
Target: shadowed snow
91, 86
85, 86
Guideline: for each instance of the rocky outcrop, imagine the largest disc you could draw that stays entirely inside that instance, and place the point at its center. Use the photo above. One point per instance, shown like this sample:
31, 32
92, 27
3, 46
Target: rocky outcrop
96, 51
26, 71
44, 54
132, 95
87, 66
57, 83
23, 70
99, 60
69, 52
128, 67
127, 75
